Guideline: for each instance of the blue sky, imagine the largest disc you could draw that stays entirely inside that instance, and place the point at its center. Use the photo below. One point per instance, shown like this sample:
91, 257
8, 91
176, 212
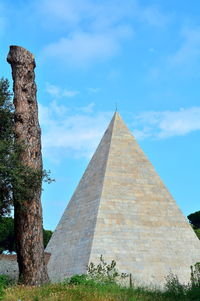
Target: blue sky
90, 55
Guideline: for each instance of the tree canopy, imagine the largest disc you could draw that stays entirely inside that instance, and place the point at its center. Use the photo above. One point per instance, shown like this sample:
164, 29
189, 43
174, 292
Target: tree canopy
13, 175
7, 239
6, 147
194, 219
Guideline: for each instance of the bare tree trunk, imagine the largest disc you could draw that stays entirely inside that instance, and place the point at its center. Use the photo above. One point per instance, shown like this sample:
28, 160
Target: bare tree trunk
28, 214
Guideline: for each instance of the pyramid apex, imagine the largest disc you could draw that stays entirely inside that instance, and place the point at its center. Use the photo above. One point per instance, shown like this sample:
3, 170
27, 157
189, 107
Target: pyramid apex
116, 123
119, 127
116, 116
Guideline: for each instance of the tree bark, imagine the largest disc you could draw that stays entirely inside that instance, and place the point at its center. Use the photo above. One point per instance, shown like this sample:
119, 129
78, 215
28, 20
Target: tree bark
28, 214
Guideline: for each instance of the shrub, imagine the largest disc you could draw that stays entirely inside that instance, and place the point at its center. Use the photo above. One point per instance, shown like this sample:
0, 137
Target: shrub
195, 275
78, 279
99, 274
174, 287
190, 292
193, 294
105, 273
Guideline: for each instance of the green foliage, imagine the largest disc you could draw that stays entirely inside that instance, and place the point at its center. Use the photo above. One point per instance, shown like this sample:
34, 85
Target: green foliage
104, 292
173, 286
98, 275
194, 219
195, 275
193, 294
78, 279
6, 147
46, 236
79, 287
5, 281
104, 273
6, 111
7, 240
14, 176
98, 286
189, 292
197, 231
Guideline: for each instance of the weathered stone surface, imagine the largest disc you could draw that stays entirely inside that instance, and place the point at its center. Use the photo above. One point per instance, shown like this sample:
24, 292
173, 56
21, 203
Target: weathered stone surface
9, 265
122, 210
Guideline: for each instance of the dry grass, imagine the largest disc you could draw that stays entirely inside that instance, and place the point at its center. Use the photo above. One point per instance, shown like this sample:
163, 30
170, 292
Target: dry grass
99, 292
60, 292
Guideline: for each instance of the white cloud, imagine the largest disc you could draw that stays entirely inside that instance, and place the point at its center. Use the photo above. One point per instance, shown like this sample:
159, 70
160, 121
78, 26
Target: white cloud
189, 51
99, 15
58, 92
74, 134
60, 10
45, 113
73, 13
167, 123
88, 109
77, 133
92, 31
52, 90
68, 93
69, 13
184, 60
153, 16
93, 90
82, 48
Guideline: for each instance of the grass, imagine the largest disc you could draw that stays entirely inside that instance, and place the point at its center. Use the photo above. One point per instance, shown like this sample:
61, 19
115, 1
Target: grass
99, 285
94, 292
59, 292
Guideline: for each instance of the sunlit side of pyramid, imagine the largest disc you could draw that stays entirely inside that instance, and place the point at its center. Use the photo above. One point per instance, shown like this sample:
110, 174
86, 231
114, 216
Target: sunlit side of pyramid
122, 210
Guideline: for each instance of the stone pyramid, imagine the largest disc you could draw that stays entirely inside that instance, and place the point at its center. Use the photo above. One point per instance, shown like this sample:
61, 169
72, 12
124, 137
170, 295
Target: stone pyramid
122, 210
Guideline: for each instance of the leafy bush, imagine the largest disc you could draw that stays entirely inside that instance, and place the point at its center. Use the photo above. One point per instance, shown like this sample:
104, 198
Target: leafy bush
97, 275
195, 275
193, 294
78, 279
189, 292
174, 287
105, 273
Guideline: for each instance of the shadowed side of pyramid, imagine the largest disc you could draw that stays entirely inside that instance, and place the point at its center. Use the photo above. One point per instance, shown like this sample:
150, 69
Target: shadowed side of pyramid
70, 245
139, 224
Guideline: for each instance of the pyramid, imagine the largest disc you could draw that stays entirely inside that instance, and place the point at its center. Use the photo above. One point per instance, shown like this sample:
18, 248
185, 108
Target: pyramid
122, 210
